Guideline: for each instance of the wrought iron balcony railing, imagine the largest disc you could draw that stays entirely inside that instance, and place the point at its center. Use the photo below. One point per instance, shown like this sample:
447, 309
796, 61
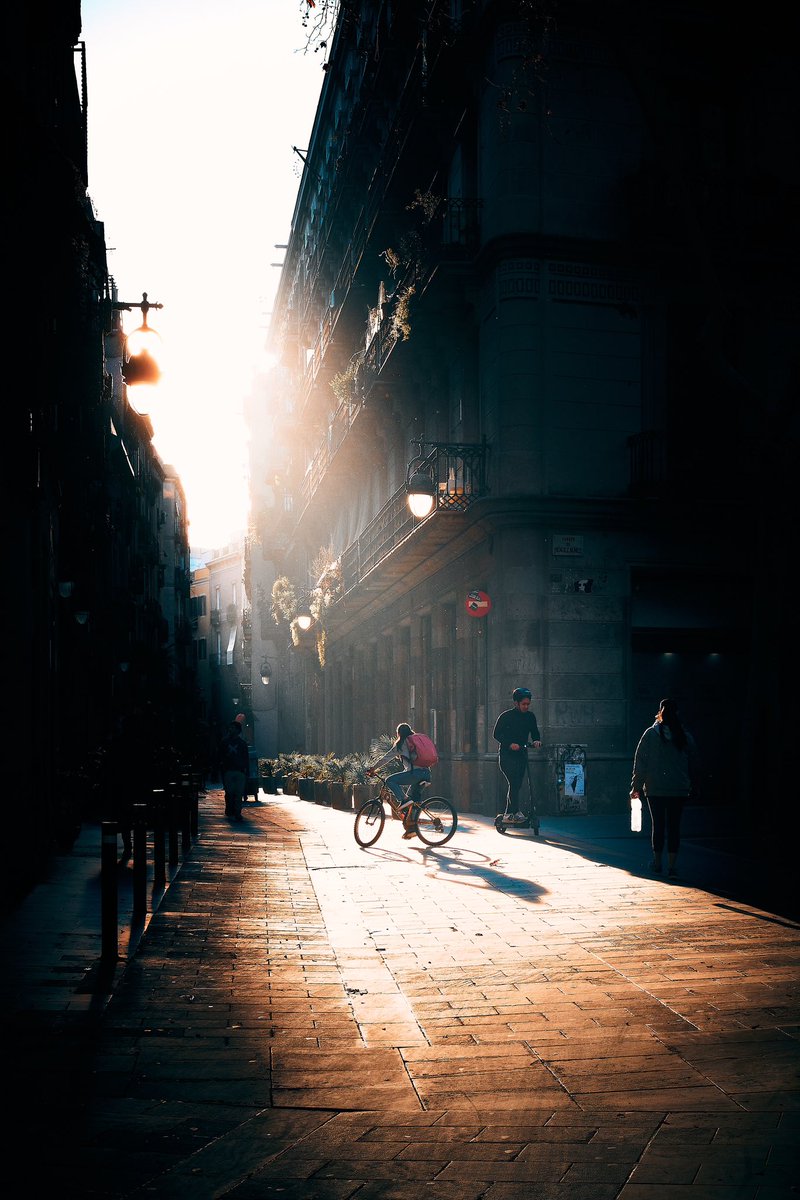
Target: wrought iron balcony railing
648, 461
387, 530
460, 474
340, 424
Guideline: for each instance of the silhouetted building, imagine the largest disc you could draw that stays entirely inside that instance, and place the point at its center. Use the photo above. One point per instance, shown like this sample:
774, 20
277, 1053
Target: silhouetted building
539, 252
96, 530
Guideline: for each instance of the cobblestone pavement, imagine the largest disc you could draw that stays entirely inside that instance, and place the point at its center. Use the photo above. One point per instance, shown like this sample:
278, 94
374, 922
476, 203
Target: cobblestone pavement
503, 1017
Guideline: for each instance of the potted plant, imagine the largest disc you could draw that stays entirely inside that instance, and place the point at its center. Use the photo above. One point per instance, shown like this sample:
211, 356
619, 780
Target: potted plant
336, 769
357, 780
321, 779
289, 767
268, 774
306, 774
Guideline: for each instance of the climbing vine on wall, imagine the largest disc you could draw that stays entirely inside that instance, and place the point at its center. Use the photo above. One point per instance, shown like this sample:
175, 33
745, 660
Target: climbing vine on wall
326, 591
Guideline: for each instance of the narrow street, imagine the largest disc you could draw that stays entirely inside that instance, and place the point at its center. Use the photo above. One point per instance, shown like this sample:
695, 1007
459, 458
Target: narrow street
501, 1017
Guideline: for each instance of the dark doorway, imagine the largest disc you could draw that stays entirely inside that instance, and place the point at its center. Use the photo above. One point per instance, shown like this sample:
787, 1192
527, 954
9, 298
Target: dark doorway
690, 640
705, 685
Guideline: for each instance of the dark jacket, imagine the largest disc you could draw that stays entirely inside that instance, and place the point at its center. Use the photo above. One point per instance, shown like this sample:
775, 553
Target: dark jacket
659, 768
234, 754
513, 725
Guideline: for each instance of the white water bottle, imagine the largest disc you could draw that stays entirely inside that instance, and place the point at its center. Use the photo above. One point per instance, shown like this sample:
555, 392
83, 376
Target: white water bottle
636, 814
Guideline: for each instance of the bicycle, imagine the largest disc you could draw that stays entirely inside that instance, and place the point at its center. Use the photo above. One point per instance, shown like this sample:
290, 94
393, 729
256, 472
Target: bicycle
432, 818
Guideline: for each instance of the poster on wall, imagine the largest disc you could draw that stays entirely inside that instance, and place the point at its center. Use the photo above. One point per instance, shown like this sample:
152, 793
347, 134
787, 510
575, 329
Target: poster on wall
571, 770
573, 780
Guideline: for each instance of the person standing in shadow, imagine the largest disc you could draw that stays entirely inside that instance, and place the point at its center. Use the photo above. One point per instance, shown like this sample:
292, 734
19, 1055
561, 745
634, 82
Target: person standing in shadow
234, 762
664, 773
128, 771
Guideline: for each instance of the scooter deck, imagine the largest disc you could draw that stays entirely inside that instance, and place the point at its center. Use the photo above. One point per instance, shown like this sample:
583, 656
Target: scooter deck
502, 825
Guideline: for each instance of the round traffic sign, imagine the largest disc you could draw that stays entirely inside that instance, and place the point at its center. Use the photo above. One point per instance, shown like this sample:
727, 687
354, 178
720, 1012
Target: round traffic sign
478, 604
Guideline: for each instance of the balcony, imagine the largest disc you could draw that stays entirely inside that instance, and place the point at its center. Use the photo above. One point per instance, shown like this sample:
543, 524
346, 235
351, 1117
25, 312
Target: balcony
452, 235
648, 462
460, 474
661, 463
390, 527
460, 227
341, 423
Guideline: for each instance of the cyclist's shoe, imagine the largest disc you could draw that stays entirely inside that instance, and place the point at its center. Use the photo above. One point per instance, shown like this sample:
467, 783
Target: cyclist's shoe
409, 833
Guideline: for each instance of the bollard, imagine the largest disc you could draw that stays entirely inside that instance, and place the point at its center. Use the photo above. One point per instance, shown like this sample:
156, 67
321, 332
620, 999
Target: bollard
108, 891
186, 817
139, 858
197, 787
190, 791
173, 816
159, 850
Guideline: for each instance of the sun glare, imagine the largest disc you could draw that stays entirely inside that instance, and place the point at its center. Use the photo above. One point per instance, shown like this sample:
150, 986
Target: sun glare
196, 224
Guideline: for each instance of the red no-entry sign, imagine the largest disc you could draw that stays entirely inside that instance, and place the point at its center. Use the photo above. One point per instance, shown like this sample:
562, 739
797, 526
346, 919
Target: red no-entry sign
478, 604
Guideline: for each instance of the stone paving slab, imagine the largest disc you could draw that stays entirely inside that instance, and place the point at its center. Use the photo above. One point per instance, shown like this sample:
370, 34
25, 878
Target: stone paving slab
499, 1018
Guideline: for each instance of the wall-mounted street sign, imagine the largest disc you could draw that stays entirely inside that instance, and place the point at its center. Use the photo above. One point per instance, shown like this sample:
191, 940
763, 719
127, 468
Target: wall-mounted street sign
569, 544
478, 604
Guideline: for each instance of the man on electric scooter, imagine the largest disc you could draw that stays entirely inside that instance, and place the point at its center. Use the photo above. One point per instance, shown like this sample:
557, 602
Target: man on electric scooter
512, 730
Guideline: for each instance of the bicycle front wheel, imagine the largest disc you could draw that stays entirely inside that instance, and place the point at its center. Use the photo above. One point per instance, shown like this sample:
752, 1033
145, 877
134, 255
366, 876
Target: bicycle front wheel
436, 821
370, 820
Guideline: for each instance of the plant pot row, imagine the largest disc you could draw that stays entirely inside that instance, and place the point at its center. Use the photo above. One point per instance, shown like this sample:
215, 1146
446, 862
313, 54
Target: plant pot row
327, 792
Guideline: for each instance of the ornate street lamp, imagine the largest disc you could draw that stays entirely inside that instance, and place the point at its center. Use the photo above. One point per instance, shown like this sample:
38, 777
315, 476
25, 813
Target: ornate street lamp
451, 476
140, 353
139, 364
304, 616
421, 488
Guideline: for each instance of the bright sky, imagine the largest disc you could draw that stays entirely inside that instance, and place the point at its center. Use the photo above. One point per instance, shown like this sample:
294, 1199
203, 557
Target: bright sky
194, 107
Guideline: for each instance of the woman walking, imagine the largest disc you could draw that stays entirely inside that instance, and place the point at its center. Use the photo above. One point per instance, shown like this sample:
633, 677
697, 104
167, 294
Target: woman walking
664, 771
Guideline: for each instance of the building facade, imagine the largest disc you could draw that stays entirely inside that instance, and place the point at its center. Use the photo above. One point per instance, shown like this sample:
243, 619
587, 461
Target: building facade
220, 644
543, 261
96, 529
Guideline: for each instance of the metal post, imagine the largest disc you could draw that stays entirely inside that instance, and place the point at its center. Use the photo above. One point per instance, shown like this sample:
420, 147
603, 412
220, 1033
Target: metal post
195, 813
159, 851
109, 903
139, 858
186, 815
173, 807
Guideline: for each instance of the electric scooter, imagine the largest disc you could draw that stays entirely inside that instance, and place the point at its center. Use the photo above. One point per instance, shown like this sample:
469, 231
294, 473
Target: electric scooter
504, 821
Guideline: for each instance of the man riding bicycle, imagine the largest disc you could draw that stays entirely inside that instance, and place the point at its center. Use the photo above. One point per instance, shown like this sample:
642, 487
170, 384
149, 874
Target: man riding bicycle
410, 773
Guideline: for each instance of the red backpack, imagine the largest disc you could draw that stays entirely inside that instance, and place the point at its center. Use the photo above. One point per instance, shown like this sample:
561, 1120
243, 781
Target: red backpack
427, 754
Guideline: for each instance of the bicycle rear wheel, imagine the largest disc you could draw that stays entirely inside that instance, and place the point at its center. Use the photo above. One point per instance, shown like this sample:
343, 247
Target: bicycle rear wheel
369, 823
436, 821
